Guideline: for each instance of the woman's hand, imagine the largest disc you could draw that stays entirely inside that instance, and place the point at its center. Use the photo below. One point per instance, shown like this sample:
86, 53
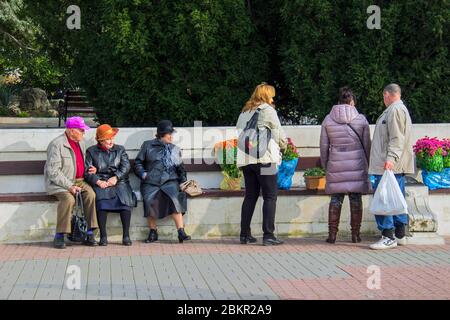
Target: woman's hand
102, 184
92, 170
112, 181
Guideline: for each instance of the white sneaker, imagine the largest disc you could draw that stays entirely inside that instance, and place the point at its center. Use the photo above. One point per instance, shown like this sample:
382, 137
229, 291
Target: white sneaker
384, 243
402, 242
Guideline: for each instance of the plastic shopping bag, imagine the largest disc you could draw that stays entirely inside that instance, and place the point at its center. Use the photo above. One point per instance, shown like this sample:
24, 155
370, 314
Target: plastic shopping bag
388, 199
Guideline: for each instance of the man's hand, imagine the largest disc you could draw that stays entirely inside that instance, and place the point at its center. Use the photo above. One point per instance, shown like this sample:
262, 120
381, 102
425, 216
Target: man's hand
92, 170
102, 184
112, 181
388, 165
74, 189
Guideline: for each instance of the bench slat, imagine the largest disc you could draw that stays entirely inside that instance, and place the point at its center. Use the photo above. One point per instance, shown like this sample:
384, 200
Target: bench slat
36, 167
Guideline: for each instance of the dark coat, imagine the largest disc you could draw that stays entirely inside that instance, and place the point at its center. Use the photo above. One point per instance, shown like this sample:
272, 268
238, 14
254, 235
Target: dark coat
109, 163
155, 178
345, 156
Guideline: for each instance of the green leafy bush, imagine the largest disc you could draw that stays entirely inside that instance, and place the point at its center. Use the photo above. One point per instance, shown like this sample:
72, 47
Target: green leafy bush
314, 172
142, 60
326, 45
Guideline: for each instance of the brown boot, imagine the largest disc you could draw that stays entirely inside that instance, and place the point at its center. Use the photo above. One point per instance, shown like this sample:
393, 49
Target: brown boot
355, 219
334, 214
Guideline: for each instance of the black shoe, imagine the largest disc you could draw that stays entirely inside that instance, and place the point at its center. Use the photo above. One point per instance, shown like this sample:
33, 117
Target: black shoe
59, 243
272, 242
90, 241
152, 236
248, 239
182, 236
103, 241
126, 241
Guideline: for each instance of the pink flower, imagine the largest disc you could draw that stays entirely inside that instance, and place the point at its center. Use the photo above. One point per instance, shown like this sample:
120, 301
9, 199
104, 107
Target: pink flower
429, 146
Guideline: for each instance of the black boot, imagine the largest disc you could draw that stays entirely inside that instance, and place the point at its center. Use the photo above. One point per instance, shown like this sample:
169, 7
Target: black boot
152, 236
334, 215
103, 241
356, 212
248, 239
182, 235
59, 243
90, 240
126, 241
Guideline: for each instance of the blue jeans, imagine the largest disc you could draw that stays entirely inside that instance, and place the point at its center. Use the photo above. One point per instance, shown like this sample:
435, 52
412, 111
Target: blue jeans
391, 222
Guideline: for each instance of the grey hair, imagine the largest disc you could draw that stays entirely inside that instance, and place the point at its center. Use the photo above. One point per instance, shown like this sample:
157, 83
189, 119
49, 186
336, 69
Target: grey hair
393, 88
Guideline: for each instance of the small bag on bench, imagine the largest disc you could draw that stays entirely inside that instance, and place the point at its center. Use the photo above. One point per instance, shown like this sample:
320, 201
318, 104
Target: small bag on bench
191, 187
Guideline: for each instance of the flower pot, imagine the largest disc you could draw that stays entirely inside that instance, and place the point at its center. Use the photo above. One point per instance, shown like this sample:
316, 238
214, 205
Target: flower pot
229, 183
315, 182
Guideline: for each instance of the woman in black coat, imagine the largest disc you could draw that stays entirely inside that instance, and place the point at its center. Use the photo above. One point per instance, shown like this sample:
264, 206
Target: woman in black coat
159, 166
110, 167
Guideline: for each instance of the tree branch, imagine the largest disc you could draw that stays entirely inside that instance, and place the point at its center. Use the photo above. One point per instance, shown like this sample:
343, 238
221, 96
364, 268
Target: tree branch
14, 39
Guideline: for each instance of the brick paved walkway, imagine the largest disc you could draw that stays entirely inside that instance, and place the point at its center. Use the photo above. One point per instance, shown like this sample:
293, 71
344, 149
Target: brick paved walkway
224, 269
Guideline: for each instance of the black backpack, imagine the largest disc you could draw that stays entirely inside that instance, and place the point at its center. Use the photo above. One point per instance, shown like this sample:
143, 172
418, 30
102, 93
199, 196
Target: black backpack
252, 140
79, 224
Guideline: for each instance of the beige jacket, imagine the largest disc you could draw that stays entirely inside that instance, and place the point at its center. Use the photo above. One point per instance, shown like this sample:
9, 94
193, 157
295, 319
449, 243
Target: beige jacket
392, 141
60, 167
268, 118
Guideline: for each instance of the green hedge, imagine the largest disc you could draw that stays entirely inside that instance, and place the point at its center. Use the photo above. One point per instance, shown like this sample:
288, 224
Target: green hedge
143, 60
326, 44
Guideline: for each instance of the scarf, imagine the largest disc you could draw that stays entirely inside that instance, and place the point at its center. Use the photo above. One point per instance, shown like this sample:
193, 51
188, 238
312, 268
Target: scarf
169, 159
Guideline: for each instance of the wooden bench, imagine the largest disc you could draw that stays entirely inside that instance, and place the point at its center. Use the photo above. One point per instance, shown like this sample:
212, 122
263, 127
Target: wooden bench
74, 102
36, 167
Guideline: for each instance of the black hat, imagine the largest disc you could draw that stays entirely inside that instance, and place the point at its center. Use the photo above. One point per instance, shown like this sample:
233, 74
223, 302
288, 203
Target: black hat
164, 126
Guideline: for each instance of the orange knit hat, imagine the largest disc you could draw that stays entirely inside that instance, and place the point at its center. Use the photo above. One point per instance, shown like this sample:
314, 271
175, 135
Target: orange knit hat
105, 131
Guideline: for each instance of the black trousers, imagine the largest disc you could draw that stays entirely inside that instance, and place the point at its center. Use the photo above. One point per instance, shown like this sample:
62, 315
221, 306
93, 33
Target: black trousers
260, 177
125, 217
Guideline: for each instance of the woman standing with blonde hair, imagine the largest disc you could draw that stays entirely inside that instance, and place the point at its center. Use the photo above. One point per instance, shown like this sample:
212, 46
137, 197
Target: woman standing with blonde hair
260, 173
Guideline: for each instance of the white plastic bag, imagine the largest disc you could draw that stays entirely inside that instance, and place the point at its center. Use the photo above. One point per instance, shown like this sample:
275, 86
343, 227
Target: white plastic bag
388, 199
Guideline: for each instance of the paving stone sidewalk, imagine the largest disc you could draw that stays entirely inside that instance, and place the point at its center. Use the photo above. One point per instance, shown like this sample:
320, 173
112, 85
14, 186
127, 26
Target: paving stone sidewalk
224, 269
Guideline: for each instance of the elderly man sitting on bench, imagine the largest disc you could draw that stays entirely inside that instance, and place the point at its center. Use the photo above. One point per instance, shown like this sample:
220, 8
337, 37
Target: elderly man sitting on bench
64, 172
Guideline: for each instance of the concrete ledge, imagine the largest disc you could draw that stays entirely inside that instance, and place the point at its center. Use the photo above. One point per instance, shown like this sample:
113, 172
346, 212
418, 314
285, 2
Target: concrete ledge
424, 238
206, 217
208, 193
32, 218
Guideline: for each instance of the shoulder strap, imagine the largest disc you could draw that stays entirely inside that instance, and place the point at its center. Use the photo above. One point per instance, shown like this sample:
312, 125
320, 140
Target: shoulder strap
79, 204
359, 138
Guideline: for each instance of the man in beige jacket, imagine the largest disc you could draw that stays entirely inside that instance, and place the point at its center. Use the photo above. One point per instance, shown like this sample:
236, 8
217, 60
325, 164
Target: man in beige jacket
64, 178
392, 150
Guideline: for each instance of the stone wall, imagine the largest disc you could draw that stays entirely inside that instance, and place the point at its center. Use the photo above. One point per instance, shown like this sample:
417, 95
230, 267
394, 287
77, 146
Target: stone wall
206, 217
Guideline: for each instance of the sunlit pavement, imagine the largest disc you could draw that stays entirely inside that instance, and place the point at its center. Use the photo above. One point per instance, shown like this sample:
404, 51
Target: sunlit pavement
224, 269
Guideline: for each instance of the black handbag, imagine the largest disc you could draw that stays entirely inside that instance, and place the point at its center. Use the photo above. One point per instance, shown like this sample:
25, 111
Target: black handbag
79, 224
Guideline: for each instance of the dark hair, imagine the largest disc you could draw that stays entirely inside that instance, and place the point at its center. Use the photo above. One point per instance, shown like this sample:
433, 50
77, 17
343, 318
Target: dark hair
346, 96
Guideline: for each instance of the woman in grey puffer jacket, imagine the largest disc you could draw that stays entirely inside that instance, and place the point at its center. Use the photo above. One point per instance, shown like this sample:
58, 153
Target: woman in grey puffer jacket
344, 153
